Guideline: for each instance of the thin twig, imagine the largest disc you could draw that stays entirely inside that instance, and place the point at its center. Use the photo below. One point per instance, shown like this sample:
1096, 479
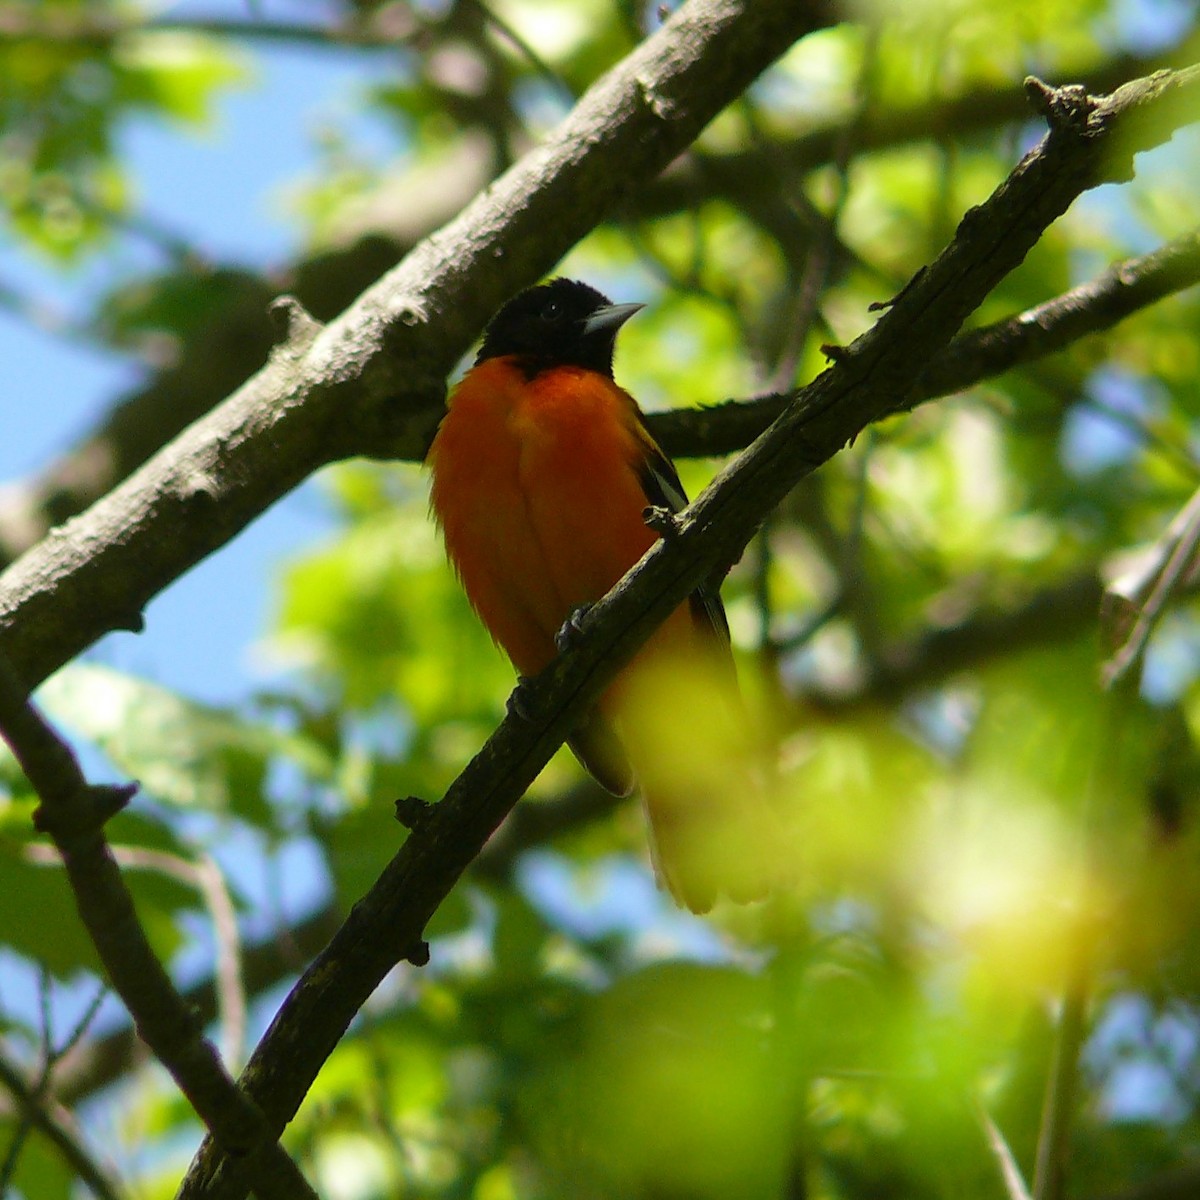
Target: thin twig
1010, 1172
57, 1126
825, 240
1091, 308
1058, 1108
1179, 546
1120, 682
230, 986
51, 1054
90, 28
207, 878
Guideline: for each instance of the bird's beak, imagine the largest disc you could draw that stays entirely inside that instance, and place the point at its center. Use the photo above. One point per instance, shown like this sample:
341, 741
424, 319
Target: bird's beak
610, 318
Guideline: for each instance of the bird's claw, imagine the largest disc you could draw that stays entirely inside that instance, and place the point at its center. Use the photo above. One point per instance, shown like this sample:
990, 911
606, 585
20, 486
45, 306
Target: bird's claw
570, 629
521, 700
661, 519
412, 812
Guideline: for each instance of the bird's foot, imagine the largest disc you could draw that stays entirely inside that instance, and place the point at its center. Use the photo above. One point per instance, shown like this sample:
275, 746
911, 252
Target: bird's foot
412, 812
523, 701
662, 520
571, 628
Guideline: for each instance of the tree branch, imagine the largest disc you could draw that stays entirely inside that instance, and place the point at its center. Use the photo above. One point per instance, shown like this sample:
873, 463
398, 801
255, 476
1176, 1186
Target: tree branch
1136, 604
73, 812
1091, 140
95, 1064
738, 173
1091, 308
1049, 615
100, 30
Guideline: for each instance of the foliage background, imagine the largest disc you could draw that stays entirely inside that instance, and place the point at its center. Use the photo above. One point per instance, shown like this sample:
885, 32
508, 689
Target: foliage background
920, 621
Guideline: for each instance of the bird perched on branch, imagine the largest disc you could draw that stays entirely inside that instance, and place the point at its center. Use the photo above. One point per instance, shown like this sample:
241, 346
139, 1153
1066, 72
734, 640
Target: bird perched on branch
543, 469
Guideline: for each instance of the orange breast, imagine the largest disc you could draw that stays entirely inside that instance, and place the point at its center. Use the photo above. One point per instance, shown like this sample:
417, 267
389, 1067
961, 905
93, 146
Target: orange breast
535, 485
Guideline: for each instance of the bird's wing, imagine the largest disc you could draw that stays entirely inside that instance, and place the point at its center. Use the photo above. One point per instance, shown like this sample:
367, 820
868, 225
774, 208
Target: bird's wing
660, 482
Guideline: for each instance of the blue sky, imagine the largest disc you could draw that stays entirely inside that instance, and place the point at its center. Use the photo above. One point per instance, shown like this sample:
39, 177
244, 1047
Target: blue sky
221, 189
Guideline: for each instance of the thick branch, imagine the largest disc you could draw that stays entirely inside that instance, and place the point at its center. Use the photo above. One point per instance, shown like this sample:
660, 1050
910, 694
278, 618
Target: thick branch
864, 384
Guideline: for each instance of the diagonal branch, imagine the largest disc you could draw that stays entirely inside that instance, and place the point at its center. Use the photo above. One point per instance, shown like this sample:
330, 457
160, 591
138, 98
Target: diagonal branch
1091, 140
1059, 610
96, 1063
1091, 308
205, 876
1137, 603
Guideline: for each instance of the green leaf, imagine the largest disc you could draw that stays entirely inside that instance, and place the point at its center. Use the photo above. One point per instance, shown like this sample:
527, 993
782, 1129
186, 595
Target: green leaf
42, 1173
378, 614
668, 1087
38, 918
38, 895
360, 844
175, 74
185, 754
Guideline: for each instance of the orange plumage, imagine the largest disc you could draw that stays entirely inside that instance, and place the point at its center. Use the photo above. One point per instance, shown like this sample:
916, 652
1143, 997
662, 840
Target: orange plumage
542, 469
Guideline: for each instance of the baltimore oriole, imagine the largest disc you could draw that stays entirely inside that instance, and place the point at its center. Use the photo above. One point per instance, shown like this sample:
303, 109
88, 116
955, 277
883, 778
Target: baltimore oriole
542, 470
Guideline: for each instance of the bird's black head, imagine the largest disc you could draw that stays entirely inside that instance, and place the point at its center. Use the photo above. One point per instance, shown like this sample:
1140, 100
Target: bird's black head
560, 323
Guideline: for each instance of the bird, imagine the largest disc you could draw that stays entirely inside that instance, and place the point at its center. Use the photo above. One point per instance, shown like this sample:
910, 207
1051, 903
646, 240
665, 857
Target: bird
542, 470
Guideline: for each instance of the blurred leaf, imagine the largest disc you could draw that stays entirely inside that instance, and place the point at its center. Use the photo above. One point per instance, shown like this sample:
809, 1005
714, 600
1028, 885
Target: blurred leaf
38, 918
669, 1087
180, 304
63, 101
519, 937
41, 1170
185, 754
174, 74
360, 845
949, 827
379, 614
39, 897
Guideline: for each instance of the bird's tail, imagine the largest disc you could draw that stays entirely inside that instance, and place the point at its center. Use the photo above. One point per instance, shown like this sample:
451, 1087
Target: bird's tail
714, 831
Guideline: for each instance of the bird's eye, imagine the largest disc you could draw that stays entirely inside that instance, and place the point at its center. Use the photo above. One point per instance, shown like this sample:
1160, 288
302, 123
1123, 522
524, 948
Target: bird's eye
552, 311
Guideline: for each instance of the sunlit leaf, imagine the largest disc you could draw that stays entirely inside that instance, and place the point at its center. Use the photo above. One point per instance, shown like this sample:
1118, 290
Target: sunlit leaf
186, 754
